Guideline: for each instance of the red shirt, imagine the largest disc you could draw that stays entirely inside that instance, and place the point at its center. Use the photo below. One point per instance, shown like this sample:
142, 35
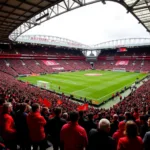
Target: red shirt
36, 124
73, 136
117, 135
126, 143
136, 115
7, 126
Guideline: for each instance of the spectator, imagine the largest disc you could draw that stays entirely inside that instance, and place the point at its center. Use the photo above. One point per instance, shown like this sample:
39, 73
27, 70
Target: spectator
148, 123
2, 101
90, 123
120, 132
128, 116
146, 141
131, 140
36, 124
81, 120
136, 113
7, 126
22, 127
73, 136
54, 126
45, 113
99, 139
114, 124
65, 116
144, 126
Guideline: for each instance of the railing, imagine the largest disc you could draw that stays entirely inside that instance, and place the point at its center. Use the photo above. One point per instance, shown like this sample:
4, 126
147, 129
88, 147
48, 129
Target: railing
38, 56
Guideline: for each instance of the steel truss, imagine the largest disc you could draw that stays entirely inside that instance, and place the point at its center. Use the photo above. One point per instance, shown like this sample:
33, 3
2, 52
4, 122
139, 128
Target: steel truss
131, 42
139, 9
63, 42
51, 40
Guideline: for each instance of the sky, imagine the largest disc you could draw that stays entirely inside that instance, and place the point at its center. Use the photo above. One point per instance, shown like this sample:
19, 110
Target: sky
93, 24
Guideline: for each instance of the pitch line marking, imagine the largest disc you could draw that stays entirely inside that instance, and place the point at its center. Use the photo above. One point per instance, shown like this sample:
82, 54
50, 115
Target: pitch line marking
114, 91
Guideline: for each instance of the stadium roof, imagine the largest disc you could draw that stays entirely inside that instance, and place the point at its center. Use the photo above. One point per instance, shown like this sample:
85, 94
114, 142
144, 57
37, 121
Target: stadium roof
63, 42
18, 16
51, 40
15, 12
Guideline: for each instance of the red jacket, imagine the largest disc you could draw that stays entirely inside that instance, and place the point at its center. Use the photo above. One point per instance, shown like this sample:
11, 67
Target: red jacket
117, 135
73, 136
36, 124
126, 143
7, 126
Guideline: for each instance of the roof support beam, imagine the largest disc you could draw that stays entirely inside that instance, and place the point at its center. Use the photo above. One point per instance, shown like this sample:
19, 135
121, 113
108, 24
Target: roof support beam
13, 13
10, 18
32, 4
135, 3
143, 7
146, 21
79, 2
3, 4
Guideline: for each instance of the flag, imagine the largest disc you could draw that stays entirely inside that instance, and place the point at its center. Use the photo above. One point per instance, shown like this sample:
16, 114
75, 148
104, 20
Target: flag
59, 102
47, 103
83, 107
40, 100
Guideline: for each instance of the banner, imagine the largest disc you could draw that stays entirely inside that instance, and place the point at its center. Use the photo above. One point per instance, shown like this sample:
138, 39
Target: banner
123, 63
59, 102
58, 68
50, 62
83, 107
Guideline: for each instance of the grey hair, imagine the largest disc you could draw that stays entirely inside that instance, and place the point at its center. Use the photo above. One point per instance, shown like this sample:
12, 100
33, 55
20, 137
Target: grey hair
104, 124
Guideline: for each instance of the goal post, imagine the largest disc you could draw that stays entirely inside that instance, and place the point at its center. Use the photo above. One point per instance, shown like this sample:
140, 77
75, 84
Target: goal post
43, 84
119, 69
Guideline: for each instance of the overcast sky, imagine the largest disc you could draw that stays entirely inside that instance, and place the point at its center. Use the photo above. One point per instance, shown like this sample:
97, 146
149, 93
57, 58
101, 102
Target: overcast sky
93, 24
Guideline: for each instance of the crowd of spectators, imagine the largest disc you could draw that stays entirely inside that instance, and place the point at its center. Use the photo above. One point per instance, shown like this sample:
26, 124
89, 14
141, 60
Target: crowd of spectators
25, 122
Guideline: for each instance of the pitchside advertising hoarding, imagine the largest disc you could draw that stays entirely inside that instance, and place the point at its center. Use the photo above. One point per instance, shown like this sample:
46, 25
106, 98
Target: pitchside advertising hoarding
122, 62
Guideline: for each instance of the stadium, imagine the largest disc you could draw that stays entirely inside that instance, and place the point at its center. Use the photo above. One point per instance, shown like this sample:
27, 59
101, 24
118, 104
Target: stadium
58, 93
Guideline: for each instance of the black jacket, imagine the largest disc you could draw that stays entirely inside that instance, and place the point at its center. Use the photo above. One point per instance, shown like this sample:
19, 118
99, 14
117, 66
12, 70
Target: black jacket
21, 126
143, 129
53, 128
100, 140
90, 125
114, 127
82, 122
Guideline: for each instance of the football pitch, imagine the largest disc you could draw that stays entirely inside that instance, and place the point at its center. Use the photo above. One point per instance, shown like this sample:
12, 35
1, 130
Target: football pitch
93, 84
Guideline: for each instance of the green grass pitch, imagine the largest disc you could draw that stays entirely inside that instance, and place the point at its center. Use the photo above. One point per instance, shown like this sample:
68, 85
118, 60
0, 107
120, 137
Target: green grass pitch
97, 88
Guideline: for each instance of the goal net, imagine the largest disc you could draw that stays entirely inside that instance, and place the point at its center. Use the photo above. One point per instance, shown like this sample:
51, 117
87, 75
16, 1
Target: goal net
43, 84
119, 69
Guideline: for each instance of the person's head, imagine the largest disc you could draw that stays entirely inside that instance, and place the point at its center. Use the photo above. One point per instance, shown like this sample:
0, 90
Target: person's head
45, 111
104, 125
35, 107
2, 100
23, 107
81, 114
7, 108
65, 116
148, 122
28, 108
131, 129
74, 116
143, 119
57, 111
90, 116
115, 117
136, 110
128, 116
121, 126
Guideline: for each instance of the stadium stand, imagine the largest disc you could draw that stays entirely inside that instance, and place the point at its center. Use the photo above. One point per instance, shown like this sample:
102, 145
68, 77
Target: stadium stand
22, 96
31, 116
